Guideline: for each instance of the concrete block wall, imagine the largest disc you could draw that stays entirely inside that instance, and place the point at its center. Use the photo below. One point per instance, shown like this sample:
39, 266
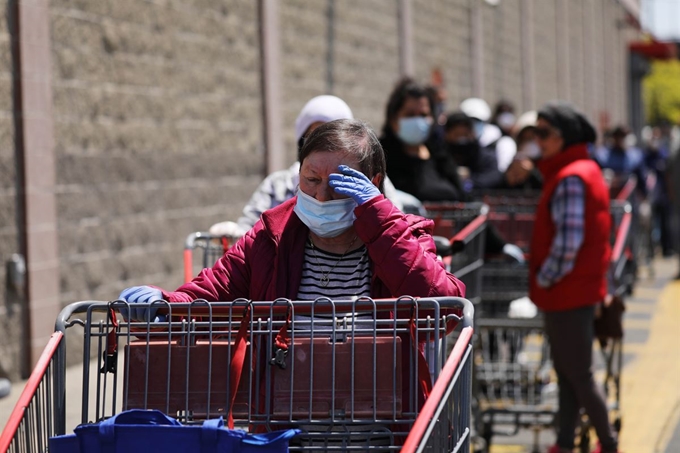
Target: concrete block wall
366, 62
442, 40
11, 303
363, 57
502, 53
158, 133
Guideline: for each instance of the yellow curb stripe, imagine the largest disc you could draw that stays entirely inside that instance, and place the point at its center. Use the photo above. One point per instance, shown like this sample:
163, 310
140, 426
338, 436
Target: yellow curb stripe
645, 293
651, 384
636, 324
632, 307
508, 449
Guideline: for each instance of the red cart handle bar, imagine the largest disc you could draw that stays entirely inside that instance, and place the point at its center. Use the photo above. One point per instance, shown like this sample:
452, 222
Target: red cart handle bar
433, 404
31, 388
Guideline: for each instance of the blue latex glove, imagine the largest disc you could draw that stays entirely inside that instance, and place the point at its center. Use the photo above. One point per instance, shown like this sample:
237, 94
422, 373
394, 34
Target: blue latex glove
354, 184
141, 295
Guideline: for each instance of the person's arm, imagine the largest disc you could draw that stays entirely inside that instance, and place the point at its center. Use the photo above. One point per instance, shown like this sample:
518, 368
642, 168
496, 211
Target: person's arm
405, 262
274, 190
568, 214
506, 148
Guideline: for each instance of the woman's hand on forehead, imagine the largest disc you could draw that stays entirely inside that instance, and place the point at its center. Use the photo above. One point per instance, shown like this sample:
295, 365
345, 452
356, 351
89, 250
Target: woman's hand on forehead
353, 183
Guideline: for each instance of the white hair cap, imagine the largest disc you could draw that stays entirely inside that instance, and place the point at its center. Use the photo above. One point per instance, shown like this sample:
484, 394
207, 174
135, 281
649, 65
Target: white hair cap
323, 108
526, 119
476, 108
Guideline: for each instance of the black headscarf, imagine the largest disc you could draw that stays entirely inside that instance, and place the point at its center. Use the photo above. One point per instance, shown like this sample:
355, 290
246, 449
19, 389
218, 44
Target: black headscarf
571, 123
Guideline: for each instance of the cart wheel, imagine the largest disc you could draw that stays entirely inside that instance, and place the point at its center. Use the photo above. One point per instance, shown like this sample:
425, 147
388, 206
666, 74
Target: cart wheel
617, 424
479, 445
584, 443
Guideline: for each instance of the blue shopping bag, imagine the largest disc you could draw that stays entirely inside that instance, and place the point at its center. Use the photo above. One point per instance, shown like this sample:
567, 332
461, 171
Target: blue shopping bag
145, 431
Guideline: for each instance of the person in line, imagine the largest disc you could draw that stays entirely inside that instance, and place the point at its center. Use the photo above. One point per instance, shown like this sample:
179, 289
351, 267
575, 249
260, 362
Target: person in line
339, 237
488, 134
656, 162
464, 147
522, 174
569, 257
416, 161
282, 185
622, 159
504, 117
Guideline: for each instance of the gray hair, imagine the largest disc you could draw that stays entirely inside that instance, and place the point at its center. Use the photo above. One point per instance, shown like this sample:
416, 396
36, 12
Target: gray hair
354, 137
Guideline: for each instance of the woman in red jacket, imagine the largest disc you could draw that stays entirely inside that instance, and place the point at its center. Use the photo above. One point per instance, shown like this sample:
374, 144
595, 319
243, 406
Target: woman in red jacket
569, 260
338, 238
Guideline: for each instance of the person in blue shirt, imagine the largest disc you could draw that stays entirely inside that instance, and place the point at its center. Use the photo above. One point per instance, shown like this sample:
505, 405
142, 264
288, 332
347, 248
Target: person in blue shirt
656, 161
622, 159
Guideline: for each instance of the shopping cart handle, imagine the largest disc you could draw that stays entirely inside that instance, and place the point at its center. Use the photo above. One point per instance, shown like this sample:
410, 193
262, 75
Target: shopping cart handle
443, 246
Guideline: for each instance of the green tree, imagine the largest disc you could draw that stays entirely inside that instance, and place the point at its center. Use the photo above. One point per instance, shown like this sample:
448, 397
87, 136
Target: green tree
661, 91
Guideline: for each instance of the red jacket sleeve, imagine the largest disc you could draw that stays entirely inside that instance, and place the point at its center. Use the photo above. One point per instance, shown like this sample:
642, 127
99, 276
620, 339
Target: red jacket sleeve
403, 252
227, 280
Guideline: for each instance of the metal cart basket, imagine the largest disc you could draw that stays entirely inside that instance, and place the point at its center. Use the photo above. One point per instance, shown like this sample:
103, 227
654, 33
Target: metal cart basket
462, 226
352, 375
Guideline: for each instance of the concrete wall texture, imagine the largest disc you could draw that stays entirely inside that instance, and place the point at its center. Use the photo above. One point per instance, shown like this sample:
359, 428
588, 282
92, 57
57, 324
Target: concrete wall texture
158, 110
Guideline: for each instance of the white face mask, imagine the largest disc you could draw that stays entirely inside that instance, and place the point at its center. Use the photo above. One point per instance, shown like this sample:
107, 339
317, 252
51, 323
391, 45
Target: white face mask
530, 150
326, 219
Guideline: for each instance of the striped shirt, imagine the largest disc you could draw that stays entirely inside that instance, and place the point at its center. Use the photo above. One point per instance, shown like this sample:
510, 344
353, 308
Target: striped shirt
326, 274
567, 209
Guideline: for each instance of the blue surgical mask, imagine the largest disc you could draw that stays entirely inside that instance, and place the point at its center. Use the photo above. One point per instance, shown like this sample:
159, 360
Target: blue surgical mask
414, 130
326, 219
478, 127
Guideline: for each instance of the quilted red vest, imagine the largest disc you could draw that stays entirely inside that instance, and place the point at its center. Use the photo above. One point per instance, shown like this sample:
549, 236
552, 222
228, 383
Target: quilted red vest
586, 284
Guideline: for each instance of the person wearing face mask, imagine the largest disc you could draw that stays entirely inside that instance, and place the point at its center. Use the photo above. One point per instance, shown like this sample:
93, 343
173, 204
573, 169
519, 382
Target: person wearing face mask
416, 160
504, 117
338, 238
522, 174
465, 149
623, 159
282, 185
489, 135
569, 258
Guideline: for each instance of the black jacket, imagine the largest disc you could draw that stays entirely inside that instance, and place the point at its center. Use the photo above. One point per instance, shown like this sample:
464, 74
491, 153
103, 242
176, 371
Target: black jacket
435, 179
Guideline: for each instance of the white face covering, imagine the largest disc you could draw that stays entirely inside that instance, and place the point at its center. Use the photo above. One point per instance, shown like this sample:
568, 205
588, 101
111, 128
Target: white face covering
530, 150
326, 219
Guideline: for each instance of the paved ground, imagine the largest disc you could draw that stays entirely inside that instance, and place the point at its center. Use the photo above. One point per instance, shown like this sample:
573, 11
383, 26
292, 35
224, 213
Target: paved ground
650, 400
651, 375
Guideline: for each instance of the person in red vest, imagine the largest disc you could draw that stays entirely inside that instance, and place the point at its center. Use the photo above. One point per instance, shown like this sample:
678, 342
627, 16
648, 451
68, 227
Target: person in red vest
569, 257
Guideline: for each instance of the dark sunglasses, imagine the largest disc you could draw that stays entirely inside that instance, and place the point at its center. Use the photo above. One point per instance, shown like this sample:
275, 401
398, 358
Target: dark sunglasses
544, 132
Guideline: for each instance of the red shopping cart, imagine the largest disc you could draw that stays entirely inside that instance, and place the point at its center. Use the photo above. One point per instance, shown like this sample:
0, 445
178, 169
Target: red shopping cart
210, 246
350, 374
512, 214
460, 230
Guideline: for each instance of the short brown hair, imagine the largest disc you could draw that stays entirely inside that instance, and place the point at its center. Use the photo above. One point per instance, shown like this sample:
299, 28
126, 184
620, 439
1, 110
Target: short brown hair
355, 137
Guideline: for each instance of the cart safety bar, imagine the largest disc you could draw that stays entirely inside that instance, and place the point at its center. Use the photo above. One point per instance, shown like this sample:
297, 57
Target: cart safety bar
627, 189
621, 236
236, 309
188, 271
31, 387
434, 404
465, 235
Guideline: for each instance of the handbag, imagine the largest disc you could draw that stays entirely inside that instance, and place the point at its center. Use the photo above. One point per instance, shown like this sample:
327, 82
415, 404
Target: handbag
609, 323
142, 431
